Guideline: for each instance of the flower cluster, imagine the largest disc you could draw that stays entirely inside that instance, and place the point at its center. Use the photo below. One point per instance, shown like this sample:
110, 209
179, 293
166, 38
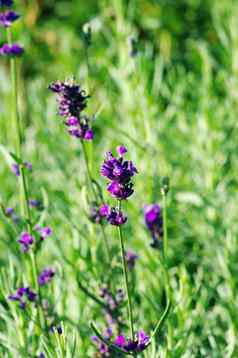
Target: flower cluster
138, 345
46, 276
72, 101
113, 216
26, 239
6, 19
16, 168
22, 295
119, 172
154, 222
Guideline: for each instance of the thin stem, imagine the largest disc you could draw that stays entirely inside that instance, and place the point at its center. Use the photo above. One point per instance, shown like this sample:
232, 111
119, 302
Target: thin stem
165, 232
165, 261
125, 273
94, 194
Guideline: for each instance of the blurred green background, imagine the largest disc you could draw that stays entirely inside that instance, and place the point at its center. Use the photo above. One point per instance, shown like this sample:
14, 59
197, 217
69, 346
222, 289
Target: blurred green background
174, 105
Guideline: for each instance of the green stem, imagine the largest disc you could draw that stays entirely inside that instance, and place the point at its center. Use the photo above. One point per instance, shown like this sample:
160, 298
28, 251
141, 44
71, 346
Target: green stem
94, 194
24, 197
165, 232
165, 262
125, 273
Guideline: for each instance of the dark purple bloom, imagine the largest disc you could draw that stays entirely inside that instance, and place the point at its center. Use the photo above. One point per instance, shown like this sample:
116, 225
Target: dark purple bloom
154, 222
95, 214
116, 169
72, 99
22, 295
131, 258
26, 240
11, 50
46, 276
119, 172
7, 3
7, 18
120, 191
54, 328
138, 345
116, 217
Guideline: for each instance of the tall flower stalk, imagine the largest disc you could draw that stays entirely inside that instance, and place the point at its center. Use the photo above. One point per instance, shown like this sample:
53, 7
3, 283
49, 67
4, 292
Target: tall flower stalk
125, 273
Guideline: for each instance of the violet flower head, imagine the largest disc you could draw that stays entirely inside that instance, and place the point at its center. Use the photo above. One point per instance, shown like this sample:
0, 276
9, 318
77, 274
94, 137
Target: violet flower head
97, 214
72, 98
116, 217
138, 345
26, 240
131, 258
22, 295
154, 222
7, 3
7, 18
72, 101
11, 50
46, 276
119, 172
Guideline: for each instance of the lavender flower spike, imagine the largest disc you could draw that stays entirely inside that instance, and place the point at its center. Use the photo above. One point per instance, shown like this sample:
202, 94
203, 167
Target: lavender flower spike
11, 50
154, 222
119, 172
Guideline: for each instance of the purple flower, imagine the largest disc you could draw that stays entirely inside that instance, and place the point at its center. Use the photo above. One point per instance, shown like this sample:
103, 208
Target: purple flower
131, 258
46, 276
116, 217
26, 240
9, 211
7, 3
119, 172
22, 295
44, 232
104, 210
7, 18
120, 191
71, 98
72, 101
34, 203
11, 50
154, 222
138, 345
116, 169
15, 169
